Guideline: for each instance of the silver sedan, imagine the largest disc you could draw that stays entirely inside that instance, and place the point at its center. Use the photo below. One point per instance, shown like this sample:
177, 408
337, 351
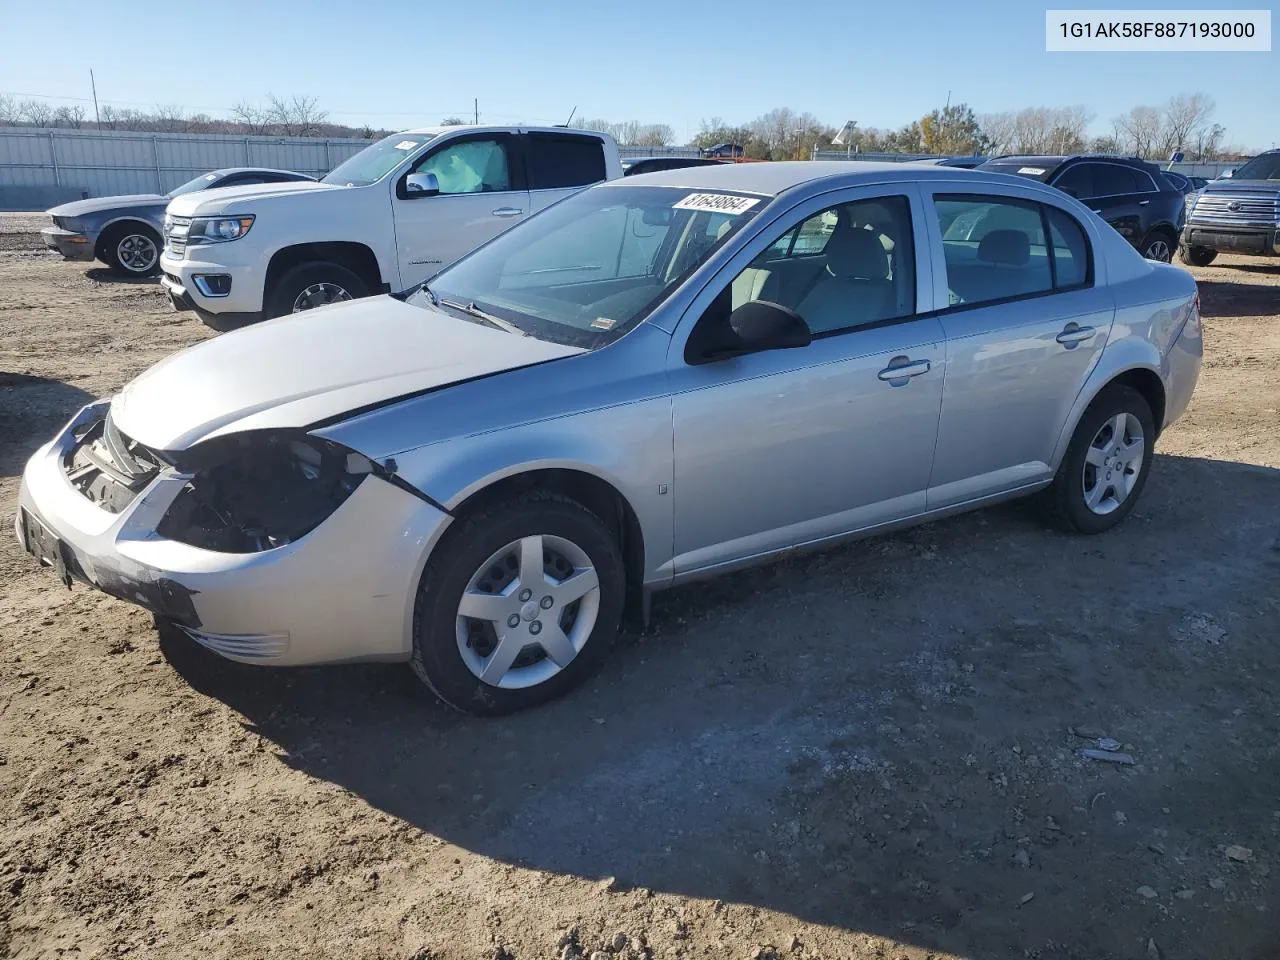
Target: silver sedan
658, 379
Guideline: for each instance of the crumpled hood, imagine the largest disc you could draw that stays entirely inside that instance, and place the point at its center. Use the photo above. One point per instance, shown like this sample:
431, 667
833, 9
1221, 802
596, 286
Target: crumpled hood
219, 200
313, 366
78, 208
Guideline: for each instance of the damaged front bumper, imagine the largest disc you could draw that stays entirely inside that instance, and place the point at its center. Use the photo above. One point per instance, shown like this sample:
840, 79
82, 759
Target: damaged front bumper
345, 591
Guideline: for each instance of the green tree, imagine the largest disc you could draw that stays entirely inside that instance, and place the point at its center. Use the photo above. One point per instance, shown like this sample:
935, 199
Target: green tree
952, 129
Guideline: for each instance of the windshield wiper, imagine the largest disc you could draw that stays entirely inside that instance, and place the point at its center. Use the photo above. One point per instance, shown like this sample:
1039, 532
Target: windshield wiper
472, 310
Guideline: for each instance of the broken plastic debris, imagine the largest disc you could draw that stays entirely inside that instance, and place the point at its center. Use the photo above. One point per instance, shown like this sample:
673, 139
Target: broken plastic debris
1107, 756
1109, 744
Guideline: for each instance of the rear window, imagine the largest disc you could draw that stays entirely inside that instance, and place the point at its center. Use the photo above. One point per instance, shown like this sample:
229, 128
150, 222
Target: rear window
556, 161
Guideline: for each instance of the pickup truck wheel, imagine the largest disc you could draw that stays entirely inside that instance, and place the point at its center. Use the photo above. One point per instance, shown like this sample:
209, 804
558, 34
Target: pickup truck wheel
315, 284
132, 250
1197, 256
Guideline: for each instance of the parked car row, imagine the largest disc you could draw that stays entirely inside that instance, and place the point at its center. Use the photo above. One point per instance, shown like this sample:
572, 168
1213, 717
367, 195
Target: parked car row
659, 378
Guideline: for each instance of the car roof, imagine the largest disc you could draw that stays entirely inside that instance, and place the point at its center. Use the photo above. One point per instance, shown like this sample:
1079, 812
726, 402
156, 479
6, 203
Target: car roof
1042, 161
227, 171
482, 127
771, 179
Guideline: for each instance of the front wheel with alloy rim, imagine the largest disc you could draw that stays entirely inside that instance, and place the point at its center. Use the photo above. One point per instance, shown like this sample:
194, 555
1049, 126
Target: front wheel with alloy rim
314, 284
518, 603
1106, 464
132, 251
1157, 246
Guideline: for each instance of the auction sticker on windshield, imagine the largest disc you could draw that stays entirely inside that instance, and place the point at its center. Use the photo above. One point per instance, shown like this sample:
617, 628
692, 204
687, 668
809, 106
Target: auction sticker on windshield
406, 144
717, 203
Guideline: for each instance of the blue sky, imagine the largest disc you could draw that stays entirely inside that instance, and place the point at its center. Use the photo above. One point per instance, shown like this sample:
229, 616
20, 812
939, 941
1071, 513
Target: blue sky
399, 63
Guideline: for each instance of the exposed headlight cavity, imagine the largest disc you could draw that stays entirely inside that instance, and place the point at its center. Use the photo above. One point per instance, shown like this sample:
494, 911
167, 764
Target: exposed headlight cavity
262, 490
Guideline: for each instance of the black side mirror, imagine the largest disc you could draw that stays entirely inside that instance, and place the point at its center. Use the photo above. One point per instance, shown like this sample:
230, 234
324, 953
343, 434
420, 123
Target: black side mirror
764, 325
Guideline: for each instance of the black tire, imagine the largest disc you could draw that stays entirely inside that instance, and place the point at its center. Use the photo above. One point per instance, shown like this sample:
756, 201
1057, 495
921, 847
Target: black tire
288, 288
1063, 502
131, 250
1158, 245
1197, 256
461, 553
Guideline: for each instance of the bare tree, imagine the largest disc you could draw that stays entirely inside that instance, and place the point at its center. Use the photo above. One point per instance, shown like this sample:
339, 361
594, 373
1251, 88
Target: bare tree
655, 135
452, 122
1139, 130
1208, 142
998, 129
1184, 116
169, 118
9, 113
36, 112
298, 116
256, 120
65, 116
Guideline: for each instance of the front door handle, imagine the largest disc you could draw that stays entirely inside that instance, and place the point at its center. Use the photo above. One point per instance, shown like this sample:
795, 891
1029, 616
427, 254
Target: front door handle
508, 212
1143, 203
902, 369
1073, 335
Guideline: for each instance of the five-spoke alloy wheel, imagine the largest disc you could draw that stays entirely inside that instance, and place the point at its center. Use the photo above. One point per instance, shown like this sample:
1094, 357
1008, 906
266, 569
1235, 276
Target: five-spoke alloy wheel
519, 602
1106, 463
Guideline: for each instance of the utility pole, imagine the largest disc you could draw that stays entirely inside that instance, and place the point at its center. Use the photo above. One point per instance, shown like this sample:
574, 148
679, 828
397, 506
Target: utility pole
94, 87
477, 106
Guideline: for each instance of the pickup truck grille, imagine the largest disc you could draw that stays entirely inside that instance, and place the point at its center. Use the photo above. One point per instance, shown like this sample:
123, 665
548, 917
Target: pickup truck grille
175, 234
1247, 208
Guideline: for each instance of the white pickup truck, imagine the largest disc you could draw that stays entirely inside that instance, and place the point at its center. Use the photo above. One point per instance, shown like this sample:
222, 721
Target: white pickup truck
390, 216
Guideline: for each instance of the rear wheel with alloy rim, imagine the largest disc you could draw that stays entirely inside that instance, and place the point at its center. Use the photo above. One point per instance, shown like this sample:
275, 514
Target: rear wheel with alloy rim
1106, 463
1157, 246
518, 604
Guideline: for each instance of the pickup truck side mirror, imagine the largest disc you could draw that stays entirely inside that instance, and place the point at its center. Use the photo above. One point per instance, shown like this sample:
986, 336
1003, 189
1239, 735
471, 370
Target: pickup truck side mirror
421, 185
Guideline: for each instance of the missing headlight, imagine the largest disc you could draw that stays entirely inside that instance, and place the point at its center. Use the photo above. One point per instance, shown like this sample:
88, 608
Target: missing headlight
261, 490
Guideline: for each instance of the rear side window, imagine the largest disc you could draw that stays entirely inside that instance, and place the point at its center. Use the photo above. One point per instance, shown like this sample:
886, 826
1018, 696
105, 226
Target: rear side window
995, 249
556, 162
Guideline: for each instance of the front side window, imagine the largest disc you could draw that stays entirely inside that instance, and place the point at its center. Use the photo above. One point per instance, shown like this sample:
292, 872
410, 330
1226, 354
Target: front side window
591, 267
202, 182
1077, 181
1111, 180
471, 166
376, 160
995, 250
557, 161
843, 268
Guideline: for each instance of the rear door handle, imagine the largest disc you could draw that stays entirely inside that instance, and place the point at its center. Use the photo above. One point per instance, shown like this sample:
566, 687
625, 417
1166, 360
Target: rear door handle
1143, 203
902, 369
1073, 335
508, 212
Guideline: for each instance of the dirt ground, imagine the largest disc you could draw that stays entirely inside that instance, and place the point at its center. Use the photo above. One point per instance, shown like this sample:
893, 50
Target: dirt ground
869, 753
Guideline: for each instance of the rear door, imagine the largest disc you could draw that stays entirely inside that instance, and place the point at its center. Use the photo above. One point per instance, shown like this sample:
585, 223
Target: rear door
482, 193
1119, 196
560, 164
1025, 326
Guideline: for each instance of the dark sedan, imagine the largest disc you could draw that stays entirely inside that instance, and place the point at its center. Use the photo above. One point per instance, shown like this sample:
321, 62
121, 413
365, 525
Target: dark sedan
124, 232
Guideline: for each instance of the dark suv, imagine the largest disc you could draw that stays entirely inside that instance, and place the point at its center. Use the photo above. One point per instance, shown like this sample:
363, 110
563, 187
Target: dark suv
1130, 194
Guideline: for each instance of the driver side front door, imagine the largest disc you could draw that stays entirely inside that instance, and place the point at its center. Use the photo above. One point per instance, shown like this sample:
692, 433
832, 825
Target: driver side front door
482, 193
781, 448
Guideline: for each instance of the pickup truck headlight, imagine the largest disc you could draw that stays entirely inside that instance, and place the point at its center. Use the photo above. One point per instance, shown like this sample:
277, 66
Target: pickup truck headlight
218, 229
260, 490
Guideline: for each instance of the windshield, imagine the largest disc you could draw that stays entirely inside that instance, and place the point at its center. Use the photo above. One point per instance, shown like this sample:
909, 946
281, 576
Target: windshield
1265, 167
376, 160
201, 182
591, 267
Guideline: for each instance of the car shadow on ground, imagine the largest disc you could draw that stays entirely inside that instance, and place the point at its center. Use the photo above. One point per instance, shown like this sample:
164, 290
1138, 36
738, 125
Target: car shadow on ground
879, 738
107, 275
1219, 298
31, 411
1272, 268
